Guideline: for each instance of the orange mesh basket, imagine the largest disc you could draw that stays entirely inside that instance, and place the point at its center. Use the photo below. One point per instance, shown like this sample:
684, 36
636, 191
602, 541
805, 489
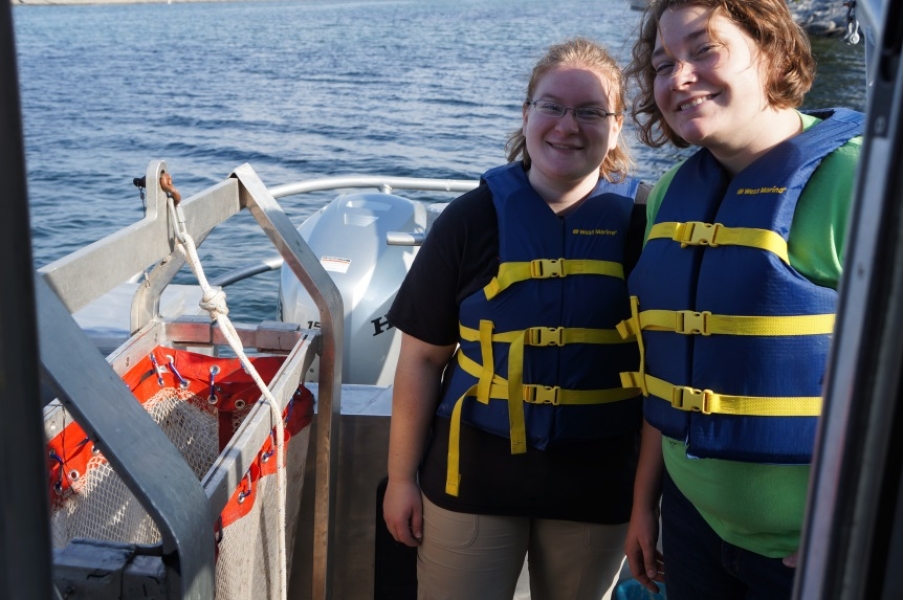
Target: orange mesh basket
199, 401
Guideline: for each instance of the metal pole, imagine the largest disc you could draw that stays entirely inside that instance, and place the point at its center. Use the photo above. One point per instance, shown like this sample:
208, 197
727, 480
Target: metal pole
25, 571
852, 543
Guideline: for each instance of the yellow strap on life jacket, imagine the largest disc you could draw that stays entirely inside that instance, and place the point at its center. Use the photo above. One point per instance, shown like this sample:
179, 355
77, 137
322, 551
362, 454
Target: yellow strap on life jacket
544, 394
497, 388
697, 233
708, 402
533, 336
516, 424
488, 371
550, 336
705, 323
453, 471
627, 332
547, 268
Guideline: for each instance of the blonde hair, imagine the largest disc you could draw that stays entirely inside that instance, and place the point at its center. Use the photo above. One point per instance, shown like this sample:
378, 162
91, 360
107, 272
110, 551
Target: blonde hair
583, 53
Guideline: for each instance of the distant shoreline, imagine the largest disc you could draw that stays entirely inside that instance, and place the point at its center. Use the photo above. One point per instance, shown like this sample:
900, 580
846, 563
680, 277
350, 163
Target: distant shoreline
99, 2
820, 18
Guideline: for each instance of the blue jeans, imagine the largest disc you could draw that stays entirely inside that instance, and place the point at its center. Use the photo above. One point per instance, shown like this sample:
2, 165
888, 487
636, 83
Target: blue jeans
699, 565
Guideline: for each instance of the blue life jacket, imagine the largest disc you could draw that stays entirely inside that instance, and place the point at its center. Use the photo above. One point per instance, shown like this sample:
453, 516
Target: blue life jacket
539, 355
733, 340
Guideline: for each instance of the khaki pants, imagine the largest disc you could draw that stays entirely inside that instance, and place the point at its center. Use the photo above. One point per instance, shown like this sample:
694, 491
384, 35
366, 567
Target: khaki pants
479, 557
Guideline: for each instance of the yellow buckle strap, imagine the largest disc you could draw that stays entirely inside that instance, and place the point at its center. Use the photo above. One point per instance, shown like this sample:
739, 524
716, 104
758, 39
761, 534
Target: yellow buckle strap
548, 268
500, 389
453, 469
516, 423
469, 334
763, 239
549, 336
543, 394
473, 368
689, 322
698, 233
709, 402
662, 231
628, 328
487, 372
634, 379
561, 336
493, 288
544, 336
632, 329
691, 399
556, 396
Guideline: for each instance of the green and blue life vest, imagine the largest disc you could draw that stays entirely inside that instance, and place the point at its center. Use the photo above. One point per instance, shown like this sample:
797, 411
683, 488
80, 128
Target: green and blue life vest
733, 340
539, 356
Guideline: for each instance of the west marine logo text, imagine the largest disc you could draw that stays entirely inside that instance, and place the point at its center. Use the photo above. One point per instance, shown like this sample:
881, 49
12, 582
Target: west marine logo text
595, 232
761, 190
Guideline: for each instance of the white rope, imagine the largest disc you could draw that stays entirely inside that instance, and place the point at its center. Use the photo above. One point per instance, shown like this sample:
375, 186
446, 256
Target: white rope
214, 302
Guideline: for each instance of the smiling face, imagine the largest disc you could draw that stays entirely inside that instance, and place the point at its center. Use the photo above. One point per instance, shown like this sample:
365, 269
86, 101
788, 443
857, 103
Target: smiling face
710, 80
566, 153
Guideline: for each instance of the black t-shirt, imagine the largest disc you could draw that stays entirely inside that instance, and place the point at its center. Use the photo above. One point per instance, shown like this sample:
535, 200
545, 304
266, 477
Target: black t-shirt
580, 481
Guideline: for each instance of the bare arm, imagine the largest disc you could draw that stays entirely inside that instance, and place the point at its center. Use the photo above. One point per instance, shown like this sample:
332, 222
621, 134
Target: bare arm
414, 400
642, 536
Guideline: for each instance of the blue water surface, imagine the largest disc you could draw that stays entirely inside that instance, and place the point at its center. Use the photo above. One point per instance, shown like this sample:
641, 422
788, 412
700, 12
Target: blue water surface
298, 89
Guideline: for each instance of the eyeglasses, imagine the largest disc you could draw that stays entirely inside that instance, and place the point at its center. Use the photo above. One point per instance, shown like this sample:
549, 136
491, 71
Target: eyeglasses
589, 114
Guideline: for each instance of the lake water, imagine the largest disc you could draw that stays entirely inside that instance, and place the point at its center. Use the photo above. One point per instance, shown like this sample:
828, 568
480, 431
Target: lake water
297, 89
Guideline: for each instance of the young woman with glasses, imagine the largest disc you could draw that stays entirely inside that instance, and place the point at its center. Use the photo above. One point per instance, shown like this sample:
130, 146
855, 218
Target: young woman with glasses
511, 435
734, 296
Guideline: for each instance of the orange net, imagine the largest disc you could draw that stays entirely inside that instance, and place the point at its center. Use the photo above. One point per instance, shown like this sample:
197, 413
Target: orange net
199, 401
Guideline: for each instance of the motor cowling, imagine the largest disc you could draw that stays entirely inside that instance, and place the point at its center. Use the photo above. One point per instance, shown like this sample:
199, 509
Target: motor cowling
348, 237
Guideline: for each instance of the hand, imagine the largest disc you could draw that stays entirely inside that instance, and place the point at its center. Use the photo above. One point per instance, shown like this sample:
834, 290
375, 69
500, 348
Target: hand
790, 561
646, 562
403, 512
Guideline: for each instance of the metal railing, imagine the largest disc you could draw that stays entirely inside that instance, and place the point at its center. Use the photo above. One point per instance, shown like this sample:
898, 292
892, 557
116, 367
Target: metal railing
183, 508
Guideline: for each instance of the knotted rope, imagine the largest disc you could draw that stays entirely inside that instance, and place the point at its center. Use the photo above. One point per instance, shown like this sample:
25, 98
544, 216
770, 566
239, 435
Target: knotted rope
214, 302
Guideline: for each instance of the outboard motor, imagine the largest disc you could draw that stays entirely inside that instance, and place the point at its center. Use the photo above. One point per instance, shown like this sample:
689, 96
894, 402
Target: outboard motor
349, 237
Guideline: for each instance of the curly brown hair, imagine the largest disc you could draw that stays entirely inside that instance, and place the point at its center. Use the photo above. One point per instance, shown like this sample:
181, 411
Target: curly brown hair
584, 53
782, 42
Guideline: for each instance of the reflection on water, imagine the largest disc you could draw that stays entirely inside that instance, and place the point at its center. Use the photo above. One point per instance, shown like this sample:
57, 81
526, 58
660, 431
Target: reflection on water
841, 75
